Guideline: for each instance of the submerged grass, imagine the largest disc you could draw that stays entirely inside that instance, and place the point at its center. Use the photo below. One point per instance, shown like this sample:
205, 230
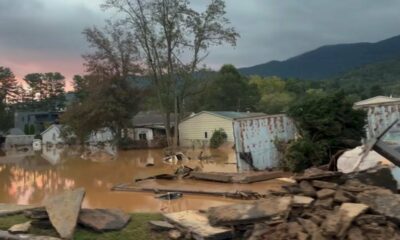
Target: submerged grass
137, 229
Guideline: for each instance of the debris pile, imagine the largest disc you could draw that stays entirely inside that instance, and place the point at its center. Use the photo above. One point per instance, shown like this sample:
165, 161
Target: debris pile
319, 205
63, 212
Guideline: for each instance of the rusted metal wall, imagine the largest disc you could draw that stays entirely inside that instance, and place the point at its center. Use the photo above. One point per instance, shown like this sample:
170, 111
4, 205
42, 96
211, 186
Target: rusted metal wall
255, 140
380, 117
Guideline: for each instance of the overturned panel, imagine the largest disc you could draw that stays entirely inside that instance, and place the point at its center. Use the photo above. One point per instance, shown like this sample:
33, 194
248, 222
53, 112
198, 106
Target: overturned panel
255, 140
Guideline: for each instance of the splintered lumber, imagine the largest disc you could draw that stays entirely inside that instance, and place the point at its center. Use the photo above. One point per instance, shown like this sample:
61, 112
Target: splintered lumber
246, 177
198, 225
199, 187
213, 176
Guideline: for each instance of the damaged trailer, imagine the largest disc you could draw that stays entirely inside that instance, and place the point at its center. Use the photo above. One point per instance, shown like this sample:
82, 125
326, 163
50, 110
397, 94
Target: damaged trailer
255, 140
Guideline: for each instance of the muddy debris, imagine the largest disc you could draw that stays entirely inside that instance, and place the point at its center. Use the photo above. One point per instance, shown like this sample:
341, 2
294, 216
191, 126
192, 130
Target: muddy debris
169, 196
320, 205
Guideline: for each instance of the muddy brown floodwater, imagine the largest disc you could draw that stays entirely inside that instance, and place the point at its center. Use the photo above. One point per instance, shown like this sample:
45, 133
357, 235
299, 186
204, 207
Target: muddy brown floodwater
28, 177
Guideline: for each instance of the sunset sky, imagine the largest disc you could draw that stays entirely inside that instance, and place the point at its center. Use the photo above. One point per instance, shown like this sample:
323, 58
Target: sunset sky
45, 35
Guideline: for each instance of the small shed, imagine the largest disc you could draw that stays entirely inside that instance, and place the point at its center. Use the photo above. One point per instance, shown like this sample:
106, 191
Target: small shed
256, 138
52, 135
197, 129
382, 111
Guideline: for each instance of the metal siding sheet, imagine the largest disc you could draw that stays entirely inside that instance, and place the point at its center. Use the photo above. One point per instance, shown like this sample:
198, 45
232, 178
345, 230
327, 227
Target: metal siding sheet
257, 136
380, 117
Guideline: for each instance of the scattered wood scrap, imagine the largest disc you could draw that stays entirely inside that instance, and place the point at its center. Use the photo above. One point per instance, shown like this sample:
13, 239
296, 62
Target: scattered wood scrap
247, 177
197, 224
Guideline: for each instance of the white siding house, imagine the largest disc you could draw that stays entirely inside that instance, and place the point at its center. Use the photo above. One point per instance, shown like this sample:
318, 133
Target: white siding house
197, 129
102, 135
52, 135
382, 111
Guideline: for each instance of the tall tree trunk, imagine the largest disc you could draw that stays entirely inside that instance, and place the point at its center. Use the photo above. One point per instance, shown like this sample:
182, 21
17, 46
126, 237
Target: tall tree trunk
176, 121
168, 127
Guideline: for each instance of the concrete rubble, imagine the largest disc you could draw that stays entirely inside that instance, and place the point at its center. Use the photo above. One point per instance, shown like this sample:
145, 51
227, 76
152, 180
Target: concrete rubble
101, 220
62, 212
319, 205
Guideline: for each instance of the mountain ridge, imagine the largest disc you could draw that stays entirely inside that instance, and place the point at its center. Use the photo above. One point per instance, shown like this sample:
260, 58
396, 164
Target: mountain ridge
329, 60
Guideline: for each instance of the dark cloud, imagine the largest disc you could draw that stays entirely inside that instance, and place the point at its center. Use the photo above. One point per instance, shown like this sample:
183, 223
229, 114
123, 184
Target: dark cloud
36, 35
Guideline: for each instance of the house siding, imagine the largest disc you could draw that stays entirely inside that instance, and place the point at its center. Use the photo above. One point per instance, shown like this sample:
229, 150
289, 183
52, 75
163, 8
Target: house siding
52, 136
192, 131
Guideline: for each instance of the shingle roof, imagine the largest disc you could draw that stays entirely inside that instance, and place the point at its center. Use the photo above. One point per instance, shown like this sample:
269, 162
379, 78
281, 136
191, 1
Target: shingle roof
229, 114
235, 115
150, 118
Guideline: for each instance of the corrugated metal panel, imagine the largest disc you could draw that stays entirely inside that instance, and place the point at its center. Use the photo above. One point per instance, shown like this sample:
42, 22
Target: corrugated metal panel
255, 137
380, 117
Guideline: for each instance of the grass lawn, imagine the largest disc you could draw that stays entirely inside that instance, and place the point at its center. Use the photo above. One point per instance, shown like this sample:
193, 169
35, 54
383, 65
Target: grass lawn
137, 229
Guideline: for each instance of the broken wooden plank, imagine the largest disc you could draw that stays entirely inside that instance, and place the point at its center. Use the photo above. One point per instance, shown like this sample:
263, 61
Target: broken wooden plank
257, 176
191, 186
245, 177
213, 176
198, 225
246, 213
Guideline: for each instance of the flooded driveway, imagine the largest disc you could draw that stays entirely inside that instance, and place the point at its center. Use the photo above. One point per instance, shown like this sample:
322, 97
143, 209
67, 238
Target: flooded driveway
27, 177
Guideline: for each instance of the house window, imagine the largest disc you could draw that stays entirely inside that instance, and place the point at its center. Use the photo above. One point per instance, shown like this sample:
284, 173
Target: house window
205, 135
54, 136
142, 136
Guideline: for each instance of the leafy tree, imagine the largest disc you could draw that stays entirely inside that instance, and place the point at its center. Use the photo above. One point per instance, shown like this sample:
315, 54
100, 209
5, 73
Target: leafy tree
8, 85
326, 122
26, 129
230, 91
106, 98
173, 40
32, 129
47, 90
275, 98
218, 138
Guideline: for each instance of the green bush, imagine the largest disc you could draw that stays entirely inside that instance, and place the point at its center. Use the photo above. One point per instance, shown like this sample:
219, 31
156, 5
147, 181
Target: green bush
326, 123
218, 138
32, 129
26, 129
304, 153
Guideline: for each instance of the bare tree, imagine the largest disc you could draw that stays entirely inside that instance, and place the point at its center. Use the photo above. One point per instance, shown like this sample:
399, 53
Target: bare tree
173, 40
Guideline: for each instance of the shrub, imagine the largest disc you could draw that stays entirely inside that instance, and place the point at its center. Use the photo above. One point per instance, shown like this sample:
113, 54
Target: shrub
302, 154
218, 138
326, 123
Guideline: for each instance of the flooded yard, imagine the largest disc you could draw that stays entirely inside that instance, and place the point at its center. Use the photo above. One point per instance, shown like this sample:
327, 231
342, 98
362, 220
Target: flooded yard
27, 177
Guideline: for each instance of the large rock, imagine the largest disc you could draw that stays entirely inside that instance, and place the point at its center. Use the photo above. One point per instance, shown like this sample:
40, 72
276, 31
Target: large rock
382, 202
63, 210
104, 219
10, 209
380, 176
307, 189
325, 193
245, 213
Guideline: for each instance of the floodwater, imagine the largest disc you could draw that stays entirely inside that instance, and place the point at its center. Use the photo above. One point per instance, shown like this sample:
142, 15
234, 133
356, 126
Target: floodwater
28, 177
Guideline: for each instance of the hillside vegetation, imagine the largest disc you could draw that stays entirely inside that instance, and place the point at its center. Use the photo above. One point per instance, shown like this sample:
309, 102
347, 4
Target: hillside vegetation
328, 61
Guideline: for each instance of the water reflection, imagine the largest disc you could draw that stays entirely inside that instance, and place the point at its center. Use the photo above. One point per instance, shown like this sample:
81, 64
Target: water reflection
28, 177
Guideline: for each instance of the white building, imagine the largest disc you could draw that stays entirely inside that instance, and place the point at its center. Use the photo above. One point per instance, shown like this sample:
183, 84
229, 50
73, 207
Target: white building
382, 111
52, 135
197, 129
102, 135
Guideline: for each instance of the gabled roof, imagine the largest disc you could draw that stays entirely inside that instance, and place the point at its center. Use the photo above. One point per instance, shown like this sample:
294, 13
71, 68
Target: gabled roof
151, 118
58, 126
376, 100
230, 115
